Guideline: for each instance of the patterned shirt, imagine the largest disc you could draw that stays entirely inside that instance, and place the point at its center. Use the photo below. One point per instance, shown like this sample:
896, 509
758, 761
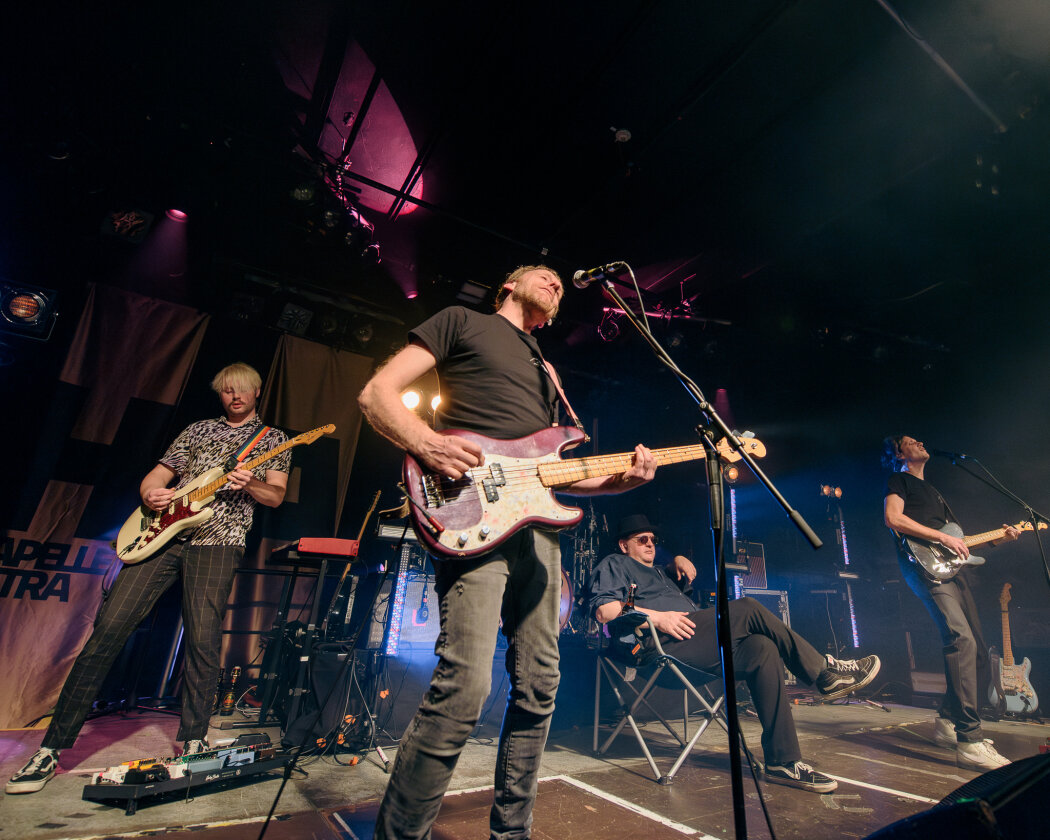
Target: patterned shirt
207, 444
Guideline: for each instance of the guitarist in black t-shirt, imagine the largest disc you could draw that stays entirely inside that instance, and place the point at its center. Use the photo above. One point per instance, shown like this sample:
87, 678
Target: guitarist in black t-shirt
914, 508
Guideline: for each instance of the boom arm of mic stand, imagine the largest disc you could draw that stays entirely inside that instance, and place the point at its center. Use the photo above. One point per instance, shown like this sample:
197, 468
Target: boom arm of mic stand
1034, 516
713, 417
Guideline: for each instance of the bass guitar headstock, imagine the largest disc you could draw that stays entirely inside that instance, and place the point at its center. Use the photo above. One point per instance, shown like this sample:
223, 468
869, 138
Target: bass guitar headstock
752, 446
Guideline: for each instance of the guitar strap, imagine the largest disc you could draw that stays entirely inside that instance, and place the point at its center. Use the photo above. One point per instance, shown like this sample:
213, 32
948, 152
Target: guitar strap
248, 446
548, 368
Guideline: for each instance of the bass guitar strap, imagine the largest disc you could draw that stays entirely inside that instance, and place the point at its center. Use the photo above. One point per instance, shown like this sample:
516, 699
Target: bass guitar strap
548, 368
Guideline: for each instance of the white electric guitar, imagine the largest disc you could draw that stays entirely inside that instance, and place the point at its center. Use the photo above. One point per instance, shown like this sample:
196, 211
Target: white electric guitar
147, 530
1018, 696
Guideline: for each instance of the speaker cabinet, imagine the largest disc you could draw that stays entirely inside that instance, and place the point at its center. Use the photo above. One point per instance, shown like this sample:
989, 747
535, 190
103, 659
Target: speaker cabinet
1002, 803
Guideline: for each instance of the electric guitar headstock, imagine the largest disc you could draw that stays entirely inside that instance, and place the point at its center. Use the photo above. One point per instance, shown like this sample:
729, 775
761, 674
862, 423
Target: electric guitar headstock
1004, 596
1027, 526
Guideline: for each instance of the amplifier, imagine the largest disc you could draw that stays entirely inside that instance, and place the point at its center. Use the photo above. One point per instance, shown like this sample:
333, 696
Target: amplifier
776, 601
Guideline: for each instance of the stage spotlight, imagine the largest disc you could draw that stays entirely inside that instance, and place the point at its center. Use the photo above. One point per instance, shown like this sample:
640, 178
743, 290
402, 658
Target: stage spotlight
363, 334
829, 491
370, 254
435, 401
304, 192
294, 319
177, 215
28, 311
411, 400
131, 225
731, 473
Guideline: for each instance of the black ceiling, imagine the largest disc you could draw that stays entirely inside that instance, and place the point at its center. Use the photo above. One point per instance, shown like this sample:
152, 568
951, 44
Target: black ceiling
859, 189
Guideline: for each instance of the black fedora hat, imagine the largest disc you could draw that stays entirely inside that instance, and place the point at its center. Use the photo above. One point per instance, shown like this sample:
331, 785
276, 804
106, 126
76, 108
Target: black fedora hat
633, 524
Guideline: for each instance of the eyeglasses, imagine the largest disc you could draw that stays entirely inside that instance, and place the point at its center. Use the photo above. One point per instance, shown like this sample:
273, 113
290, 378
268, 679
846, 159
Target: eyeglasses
645, 539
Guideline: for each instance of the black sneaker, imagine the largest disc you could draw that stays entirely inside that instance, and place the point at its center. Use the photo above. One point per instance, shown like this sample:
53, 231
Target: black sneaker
800, 775
844, 676
37, 772
194, 746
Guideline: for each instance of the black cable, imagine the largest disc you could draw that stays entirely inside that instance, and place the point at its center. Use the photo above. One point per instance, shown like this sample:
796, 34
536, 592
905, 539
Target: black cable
752, 764
350, 657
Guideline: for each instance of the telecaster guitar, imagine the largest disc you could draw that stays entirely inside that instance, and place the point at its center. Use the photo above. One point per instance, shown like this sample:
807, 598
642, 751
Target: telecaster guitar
940, 562
147, 531
1018, 696
514, 487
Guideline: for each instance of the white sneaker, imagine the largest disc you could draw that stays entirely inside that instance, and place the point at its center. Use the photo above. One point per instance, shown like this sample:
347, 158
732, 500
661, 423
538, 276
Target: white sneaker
944, 733
979, 756
38, 771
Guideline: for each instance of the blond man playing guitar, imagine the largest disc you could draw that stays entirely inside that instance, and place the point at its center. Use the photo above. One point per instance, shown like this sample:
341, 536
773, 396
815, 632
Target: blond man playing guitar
204, 558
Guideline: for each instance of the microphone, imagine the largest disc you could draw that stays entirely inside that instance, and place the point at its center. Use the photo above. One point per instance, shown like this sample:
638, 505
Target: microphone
582, 279
945, 454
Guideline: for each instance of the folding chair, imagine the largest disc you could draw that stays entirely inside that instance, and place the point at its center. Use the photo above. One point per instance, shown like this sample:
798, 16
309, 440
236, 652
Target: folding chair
618, 666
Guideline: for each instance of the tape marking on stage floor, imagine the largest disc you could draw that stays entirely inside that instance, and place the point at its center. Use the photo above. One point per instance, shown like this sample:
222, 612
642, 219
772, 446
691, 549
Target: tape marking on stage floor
914, 796
630, 806
866, 760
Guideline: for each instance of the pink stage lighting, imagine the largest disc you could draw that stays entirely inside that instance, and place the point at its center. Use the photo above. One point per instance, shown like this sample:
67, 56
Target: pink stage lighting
177, 215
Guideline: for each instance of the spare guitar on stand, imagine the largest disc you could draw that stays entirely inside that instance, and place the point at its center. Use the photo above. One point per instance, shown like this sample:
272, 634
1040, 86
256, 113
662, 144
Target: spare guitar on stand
1011, 689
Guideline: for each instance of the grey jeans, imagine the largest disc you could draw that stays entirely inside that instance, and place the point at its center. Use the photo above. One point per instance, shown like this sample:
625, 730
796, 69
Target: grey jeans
951, 605
520, 581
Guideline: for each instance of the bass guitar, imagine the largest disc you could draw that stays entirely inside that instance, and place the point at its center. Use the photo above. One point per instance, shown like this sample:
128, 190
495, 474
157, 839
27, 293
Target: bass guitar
147, 531
939, 562
1014, 690
514, 487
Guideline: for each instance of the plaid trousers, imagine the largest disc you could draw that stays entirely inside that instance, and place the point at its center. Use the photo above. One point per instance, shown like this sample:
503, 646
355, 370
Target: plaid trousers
207, 577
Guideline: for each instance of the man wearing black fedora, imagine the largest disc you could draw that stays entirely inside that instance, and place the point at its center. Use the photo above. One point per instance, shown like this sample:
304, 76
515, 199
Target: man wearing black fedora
762, 644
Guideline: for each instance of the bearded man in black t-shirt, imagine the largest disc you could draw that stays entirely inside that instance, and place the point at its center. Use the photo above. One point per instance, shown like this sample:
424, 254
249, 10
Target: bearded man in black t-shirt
914, 508
495, 382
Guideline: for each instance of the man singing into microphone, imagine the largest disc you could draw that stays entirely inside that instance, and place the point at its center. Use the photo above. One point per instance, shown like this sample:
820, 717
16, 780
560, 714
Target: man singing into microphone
495, 382
914, 508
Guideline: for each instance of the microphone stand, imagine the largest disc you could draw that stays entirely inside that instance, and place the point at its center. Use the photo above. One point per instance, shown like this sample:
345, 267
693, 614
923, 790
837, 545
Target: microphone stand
712, 424
1031, 514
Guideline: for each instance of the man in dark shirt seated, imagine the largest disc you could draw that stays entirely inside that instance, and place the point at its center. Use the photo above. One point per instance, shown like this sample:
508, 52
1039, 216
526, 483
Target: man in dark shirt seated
762, 645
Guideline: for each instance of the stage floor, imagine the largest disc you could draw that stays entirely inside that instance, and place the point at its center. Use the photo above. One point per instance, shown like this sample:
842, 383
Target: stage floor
886, 762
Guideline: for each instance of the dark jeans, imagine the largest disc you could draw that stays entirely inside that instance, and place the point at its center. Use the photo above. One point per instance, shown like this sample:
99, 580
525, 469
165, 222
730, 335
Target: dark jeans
762, 646
207, 577
952, 607
520, 581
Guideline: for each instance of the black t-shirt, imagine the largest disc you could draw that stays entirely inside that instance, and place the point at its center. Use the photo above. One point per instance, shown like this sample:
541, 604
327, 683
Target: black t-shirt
611, 580
922, 502
492, 377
